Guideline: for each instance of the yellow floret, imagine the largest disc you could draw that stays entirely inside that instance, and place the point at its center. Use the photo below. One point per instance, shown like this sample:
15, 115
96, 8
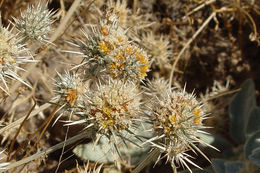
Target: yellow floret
105, 47
72, 96
172, 118
107, 111
196, 112
197, 120
104, 30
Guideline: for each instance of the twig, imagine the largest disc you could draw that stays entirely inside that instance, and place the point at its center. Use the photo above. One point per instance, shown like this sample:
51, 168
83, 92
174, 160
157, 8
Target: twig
44, 125
14, 139
188, 43
223, 94
135, 6
19, 121
200, 7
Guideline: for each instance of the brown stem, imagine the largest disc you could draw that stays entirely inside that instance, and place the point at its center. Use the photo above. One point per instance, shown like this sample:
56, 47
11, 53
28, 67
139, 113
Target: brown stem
14, 139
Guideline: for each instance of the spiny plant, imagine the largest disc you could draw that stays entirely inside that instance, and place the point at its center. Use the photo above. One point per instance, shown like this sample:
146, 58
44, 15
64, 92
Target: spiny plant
104, 94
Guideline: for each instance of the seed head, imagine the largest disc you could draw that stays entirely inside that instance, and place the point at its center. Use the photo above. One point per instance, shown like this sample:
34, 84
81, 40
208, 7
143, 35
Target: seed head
9, 49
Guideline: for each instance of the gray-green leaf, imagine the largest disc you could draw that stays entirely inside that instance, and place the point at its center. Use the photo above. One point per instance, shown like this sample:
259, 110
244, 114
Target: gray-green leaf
254, 121
239, 110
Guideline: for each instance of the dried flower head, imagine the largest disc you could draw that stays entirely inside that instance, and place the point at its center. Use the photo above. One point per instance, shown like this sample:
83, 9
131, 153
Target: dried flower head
156, 87
10, 57
159, 48
177, 121
108, 52
35, 22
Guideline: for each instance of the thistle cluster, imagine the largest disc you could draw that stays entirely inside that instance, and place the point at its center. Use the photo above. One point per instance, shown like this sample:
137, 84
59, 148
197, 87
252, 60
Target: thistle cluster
108, 52
34, 24
108, 107
103, 91
112, 103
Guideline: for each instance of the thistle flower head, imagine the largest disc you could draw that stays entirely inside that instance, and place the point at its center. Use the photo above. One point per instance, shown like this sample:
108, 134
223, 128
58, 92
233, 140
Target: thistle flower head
177, 119
70, 88
10, 57
113, 107
35, 22
128, 61
109, 52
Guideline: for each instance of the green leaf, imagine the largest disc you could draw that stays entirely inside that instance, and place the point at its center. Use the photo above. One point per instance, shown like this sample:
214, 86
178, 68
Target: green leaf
239, 110
218, 165
252, 143
233, 167
104, 151
254, 121
255, 156
99, 153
